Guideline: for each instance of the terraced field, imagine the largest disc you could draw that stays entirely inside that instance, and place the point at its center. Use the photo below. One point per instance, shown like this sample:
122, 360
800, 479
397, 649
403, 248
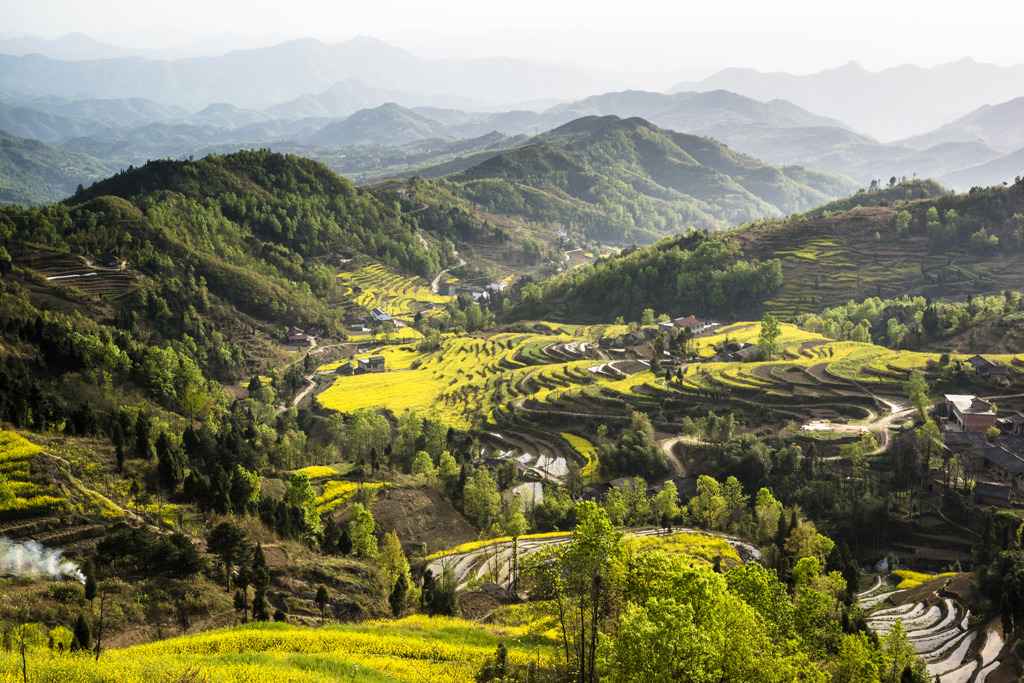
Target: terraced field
493, 561
938, 629
824, 265
23, 494
377, 286
559, 373
74, 271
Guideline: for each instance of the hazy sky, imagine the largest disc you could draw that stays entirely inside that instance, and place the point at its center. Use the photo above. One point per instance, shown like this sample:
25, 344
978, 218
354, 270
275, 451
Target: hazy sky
670, 36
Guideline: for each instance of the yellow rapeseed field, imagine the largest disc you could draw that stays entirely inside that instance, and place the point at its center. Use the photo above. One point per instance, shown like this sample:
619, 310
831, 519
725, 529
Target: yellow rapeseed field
413, 649
16, 454
909, 579
591, 471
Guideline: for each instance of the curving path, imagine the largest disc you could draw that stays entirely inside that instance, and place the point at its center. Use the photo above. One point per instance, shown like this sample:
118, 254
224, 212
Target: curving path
437, 280
667, 445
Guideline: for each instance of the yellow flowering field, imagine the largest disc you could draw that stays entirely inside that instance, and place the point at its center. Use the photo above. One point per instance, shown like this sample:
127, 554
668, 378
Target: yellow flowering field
16, 453
395, 358
317, 471
380, 287
592, 470
337, 493
414, 649
476, 545
909, 579
28, 496
698, 546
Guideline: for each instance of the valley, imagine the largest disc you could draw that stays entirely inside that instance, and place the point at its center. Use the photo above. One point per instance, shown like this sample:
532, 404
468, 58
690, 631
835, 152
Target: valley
328, 361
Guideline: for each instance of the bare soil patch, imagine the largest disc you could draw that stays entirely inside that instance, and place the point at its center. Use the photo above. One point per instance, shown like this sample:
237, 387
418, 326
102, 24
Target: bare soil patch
421, 516
478, 605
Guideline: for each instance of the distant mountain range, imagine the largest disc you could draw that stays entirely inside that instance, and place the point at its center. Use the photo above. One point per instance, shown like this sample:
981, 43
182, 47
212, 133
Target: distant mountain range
262, 77
890, 104
78, 46
325, 101
392, 140
1000, 126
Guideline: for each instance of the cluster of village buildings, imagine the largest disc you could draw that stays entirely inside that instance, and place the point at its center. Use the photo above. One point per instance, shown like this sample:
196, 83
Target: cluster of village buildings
670, 328
996, 463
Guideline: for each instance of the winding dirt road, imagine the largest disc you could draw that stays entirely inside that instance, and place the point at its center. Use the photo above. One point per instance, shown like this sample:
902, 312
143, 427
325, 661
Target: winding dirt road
667, 445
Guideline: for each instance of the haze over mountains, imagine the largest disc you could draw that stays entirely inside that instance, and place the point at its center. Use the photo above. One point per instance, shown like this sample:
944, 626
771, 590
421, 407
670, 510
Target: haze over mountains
891, 104
960, 123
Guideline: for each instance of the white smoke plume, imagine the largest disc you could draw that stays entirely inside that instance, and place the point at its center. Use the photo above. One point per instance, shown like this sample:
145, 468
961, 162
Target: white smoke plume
32, 559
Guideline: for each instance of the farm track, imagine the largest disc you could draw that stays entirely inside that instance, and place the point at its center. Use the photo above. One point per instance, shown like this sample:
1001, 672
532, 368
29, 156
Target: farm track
667, 448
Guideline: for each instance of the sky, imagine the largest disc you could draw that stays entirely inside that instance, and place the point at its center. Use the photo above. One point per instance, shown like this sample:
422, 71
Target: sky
680, 37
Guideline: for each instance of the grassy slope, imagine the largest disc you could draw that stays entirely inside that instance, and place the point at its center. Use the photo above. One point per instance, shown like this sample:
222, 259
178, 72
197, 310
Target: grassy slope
828, 260
35, 173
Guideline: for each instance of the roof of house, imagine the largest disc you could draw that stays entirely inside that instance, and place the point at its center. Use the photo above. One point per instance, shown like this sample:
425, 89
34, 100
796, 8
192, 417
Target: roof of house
688, 321
685, 486
988, 490
1007, 453
1004, 460
979, 361
1012, 443
969, 404
1017, 418
744, 353
973, 444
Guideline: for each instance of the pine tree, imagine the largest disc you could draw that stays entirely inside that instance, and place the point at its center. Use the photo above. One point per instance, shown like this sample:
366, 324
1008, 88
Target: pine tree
82, 635
260, 581
89, 570
322, 600
345, 542
397, 597
142, 445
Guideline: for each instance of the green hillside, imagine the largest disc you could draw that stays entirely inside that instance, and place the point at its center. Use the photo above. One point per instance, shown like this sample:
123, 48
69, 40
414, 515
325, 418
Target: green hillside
874, 244
35, 173
388, 124
626, 180
882, 195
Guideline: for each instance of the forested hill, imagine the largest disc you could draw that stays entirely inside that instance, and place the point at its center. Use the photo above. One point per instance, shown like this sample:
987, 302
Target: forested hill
254, 229
618, 179
683, 275
278, 200
951, 245
883, 195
